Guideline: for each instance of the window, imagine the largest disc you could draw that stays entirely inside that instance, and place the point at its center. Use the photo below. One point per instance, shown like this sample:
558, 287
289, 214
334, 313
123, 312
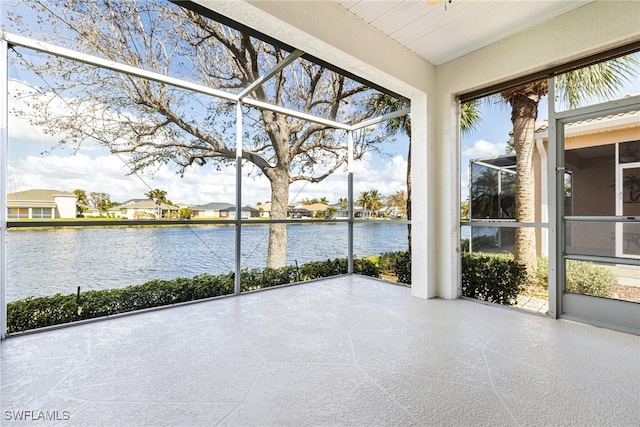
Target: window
41, 213
18, 213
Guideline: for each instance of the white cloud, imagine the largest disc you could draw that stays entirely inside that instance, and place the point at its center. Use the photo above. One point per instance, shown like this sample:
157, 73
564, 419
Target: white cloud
482, 148
22, 98
21, 94
94, 169
108, 174
388, 180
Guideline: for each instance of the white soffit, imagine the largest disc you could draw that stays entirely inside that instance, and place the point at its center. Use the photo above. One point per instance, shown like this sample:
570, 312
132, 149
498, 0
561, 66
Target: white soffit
445, 31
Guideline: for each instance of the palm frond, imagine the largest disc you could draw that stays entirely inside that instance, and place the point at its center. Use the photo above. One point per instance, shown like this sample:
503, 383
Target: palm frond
470, 115
600, 82
385, 104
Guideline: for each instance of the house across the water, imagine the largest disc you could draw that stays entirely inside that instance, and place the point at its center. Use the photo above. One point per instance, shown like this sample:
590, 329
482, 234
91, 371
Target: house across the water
41, 204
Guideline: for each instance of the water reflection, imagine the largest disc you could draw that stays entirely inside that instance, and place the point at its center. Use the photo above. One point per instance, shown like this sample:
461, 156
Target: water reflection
48, 261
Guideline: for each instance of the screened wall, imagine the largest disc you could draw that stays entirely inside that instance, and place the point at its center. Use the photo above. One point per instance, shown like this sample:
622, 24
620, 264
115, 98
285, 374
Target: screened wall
179, 168
570, 163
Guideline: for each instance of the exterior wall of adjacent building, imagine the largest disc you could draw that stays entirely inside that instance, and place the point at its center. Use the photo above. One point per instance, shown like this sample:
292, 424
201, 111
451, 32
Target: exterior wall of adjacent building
65, 206
206, 213
41, 204
589, 29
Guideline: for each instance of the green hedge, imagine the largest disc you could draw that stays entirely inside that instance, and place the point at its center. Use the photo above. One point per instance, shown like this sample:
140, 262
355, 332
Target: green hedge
398, 264
492, 277
38, 312
582, 277
488, 277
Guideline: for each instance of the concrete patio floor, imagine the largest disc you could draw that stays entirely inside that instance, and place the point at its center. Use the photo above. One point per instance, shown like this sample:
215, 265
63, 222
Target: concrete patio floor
344, 351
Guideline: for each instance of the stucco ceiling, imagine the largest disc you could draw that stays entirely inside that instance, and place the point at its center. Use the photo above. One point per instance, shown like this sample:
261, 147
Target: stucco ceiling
452, 28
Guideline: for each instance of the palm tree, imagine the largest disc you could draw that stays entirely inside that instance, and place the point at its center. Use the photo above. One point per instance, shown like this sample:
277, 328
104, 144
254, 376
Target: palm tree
159, 196
363, 200
81, 200
375, 202
602, 81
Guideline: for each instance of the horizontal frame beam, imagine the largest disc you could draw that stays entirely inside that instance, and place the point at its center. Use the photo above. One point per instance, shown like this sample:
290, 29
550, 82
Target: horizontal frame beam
17, 40
502, 223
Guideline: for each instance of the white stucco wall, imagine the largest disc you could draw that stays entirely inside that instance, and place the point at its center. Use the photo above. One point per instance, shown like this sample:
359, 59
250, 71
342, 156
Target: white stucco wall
66, 206
329, 32
589, 29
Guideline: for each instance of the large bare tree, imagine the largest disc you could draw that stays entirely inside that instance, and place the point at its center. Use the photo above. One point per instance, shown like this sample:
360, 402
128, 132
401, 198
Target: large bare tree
150, 123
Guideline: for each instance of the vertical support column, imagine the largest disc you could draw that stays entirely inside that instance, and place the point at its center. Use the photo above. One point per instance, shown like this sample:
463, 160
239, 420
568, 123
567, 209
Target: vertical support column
469, 169
4, 141
238, 248
554, 197
350, 199
544, 196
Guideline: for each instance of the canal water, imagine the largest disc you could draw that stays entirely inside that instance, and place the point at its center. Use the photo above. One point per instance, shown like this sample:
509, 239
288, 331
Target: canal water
43, 262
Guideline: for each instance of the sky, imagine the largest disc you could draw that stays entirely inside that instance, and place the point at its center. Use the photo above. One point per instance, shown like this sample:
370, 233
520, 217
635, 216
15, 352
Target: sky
37, 162
96, 170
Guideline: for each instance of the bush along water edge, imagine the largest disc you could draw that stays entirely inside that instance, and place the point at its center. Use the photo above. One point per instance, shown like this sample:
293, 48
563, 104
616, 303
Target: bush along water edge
494, 278
38, 312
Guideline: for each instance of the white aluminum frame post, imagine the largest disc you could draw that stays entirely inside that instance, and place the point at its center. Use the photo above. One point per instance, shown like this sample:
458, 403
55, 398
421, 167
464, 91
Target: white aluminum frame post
4, 141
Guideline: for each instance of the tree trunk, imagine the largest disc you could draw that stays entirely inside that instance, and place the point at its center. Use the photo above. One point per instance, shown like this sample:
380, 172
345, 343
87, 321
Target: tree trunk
277, 252
523, 116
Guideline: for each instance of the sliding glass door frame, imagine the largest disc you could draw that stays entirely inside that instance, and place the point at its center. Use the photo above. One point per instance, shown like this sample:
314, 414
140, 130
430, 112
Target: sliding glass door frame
614, 314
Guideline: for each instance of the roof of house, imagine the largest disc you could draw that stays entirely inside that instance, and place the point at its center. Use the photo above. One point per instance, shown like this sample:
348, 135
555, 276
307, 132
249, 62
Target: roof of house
213, 206
145, 204
132, 201
36, 198
244, 209
617, 121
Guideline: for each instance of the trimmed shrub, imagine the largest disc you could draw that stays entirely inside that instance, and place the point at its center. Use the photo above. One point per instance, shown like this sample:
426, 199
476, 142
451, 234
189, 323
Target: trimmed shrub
366, 267
589, 279
403, 267
318, 269
582, 277
38, 312
542, 272
31, 313
398, 264
268, 277
492, 277
338, 266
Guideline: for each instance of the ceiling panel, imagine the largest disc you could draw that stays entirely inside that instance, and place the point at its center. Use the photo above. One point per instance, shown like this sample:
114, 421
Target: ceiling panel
454, 28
